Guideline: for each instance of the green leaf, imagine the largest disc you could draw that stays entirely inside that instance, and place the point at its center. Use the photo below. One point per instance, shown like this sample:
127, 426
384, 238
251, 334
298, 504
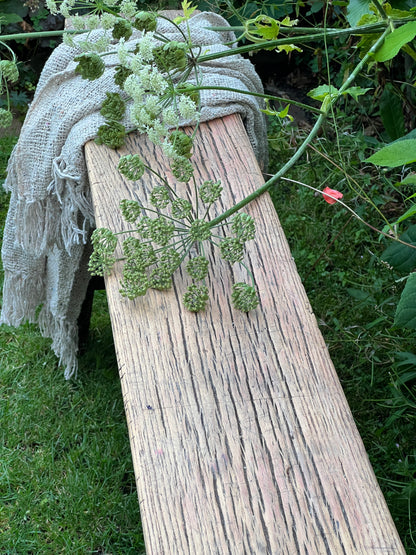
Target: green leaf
8, 18
355, 92
408, 214
402, 257
322, 92
394, 42
409, 180
391, 112
356, 9
395, 154
405, 316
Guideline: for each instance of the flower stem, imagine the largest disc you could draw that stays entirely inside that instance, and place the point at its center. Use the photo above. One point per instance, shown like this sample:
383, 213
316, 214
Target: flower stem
312, 37
40, 34
250, 93
327, 105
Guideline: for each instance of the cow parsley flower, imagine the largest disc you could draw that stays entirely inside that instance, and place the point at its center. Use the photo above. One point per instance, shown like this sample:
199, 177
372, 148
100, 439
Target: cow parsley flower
146, 46
108, 20
187, 108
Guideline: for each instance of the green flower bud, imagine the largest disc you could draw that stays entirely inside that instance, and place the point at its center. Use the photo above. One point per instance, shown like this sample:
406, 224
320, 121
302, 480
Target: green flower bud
113, 107
102, 259
6, 118
232, 250
130, 209
170, 56
111, 134
182, 143
196, 297
170, 259
145, 21
161, 230
90, 66
197, 267
160, 278
210, 191
143, 227
122, 29
9, 71
182, 169
243, 226
200, 230
134, 284
121, 75
139, 255
159, 197
131, 166
244, 297
181, 208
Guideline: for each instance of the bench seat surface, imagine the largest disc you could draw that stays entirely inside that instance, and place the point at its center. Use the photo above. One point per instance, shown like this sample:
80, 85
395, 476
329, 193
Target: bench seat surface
241, 436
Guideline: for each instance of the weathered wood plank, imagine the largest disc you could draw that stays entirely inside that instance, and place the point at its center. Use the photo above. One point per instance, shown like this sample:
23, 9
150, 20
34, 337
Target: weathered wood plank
241, 436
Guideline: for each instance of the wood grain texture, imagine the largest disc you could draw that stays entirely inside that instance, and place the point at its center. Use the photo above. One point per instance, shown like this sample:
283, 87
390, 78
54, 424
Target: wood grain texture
241, 435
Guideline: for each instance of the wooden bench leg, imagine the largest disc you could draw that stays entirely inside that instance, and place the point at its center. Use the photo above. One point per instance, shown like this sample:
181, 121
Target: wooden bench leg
84, 318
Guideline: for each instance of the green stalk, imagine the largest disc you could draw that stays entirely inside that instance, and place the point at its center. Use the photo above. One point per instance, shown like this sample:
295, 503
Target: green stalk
327, 105
265, 96
271, 44
40, 34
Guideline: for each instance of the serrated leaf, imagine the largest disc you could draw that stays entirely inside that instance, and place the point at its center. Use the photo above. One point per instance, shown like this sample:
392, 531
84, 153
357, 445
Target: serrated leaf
288, 48
394, 42
402, 257
322, 92
395, 154
356, 9
355, 92
405, 316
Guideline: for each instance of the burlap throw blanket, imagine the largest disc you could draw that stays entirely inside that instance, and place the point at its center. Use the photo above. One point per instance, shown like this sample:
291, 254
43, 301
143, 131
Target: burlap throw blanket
46, 238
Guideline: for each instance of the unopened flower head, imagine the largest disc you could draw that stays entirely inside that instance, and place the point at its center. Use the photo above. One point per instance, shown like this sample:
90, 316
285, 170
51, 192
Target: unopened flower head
181, 208
196, 297
159, 197
131, 166
243, 226
130, 209
244, 297
182, 169
232, 250
145, 21
197, 267
210, 191
122, 29
6, 118
90, 66
9, 71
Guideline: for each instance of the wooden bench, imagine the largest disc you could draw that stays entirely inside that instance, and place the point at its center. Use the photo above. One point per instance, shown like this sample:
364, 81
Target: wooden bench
241, 436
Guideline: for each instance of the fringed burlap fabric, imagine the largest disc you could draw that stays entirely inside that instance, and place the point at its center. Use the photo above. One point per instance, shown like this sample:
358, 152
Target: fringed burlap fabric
46, 238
